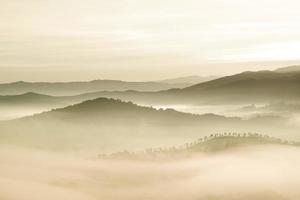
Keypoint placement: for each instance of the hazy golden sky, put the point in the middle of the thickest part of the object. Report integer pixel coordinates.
(144, 39)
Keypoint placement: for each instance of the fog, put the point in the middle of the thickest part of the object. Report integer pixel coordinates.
(54, 155)
(257, 172)
(245, 111)
(108, 135)
(14, 112)
(225, 110)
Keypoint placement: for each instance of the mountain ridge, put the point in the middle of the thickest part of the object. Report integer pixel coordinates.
(106, 123)
(246, 87)
(79, 87)
(243, 88)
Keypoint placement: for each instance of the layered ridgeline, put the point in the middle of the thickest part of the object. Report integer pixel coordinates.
(24, 98)
(108, 124)
(214, 143)
(31, 99)
(262, 86)
(75, 88)
(246, 87)
(15, 106)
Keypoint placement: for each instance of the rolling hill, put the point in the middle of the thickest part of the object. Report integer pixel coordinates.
(214, 143)
(103, 111)
(109, 124)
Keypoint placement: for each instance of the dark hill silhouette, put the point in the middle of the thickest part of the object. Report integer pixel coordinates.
(221, 142)
(107, 123)
(214, 143)
(113, 110)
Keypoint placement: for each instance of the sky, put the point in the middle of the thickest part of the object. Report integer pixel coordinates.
(63, 40)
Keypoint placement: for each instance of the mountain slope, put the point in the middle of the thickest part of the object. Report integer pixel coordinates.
(103, 110)
(106, 124)
(247, 87)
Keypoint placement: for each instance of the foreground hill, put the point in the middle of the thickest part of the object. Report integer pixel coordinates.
(257, 172)
(108, 124)
(214, 143)
(74, 88)
(221, 142)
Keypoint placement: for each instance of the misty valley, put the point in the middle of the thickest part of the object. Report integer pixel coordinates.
(231, 138)
(149, 100)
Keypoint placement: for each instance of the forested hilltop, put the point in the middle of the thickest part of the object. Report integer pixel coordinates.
(213, 143)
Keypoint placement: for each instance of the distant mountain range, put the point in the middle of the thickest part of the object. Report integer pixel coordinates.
(243, 88)
(75, 88)
(261, 86)
(107, 123)
(30, 99)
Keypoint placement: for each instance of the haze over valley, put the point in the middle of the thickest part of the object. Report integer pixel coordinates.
(196, 138)
(149, 100)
